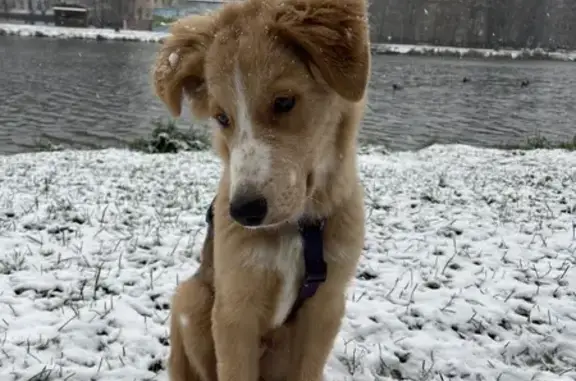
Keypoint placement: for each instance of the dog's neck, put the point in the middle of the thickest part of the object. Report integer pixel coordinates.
(339, 177)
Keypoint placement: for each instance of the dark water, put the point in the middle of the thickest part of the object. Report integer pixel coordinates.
(88, 93)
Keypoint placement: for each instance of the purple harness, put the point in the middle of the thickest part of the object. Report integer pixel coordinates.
(315, 269)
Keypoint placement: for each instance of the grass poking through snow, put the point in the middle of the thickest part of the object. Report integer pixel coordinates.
(166, 137)
(539, 141)
(467, 272)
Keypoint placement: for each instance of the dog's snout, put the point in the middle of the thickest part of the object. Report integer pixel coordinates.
(249, 209)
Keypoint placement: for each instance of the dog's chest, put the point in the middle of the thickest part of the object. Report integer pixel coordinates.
(285, 258)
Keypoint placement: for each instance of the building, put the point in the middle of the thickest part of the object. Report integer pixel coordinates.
(131, 14)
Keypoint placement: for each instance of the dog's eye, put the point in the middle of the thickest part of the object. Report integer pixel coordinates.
(284, 104)
(223, 119)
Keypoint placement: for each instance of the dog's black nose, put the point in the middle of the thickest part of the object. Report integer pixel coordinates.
(249, 210)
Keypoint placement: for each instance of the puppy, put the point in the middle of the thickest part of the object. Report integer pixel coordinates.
(283, 84)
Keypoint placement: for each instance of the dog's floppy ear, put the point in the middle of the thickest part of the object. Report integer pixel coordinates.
(179, 67)
(333, 36)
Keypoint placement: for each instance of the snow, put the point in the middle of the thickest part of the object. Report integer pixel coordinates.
(173, 59)
(467, 272)
(149, 36)
(430, 50)
(26, 30)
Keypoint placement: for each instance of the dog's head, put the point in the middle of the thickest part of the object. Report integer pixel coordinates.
(274, 77)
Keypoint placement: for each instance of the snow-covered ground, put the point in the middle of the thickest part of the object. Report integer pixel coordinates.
(52, 31)
(467, 274)
(429, 50)
(146, 36)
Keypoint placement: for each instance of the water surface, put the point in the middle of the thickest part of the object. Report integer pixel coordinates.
(92, 94)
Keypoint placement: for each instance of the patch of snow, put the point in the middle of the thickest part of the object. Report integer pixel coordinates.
(25, 30)
(430, 50)
(467, 272)
(173, 59)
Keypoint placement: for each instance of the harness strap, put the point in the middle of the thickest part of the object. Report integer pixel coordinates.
(315, 269)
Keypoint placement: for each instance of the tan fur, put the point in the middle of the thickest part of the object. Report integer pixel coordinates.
(234, 308)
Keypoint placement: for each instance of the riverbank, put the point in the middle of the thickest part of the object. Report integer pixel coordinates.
(167, 137)
(50, 31)
(467, 273)
(24, 30)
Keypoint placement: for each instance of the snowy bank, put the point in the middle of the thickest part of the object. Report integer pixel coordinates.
(467, 274)
(51, 31)
(147, 36)
(429, 50)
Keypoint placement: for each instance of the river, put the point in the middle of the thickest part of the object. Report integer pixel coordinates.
(93, 94)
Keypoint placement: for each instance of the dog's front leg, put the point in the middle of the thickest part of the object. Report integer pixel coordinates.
(316, 327)
(236, 332)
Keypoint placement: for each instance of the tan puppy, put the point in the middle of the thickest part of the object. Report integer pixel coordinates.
(283, 82)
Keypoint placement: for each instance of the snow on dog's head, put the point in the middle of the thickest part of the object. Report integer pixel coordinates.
(274, 78)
